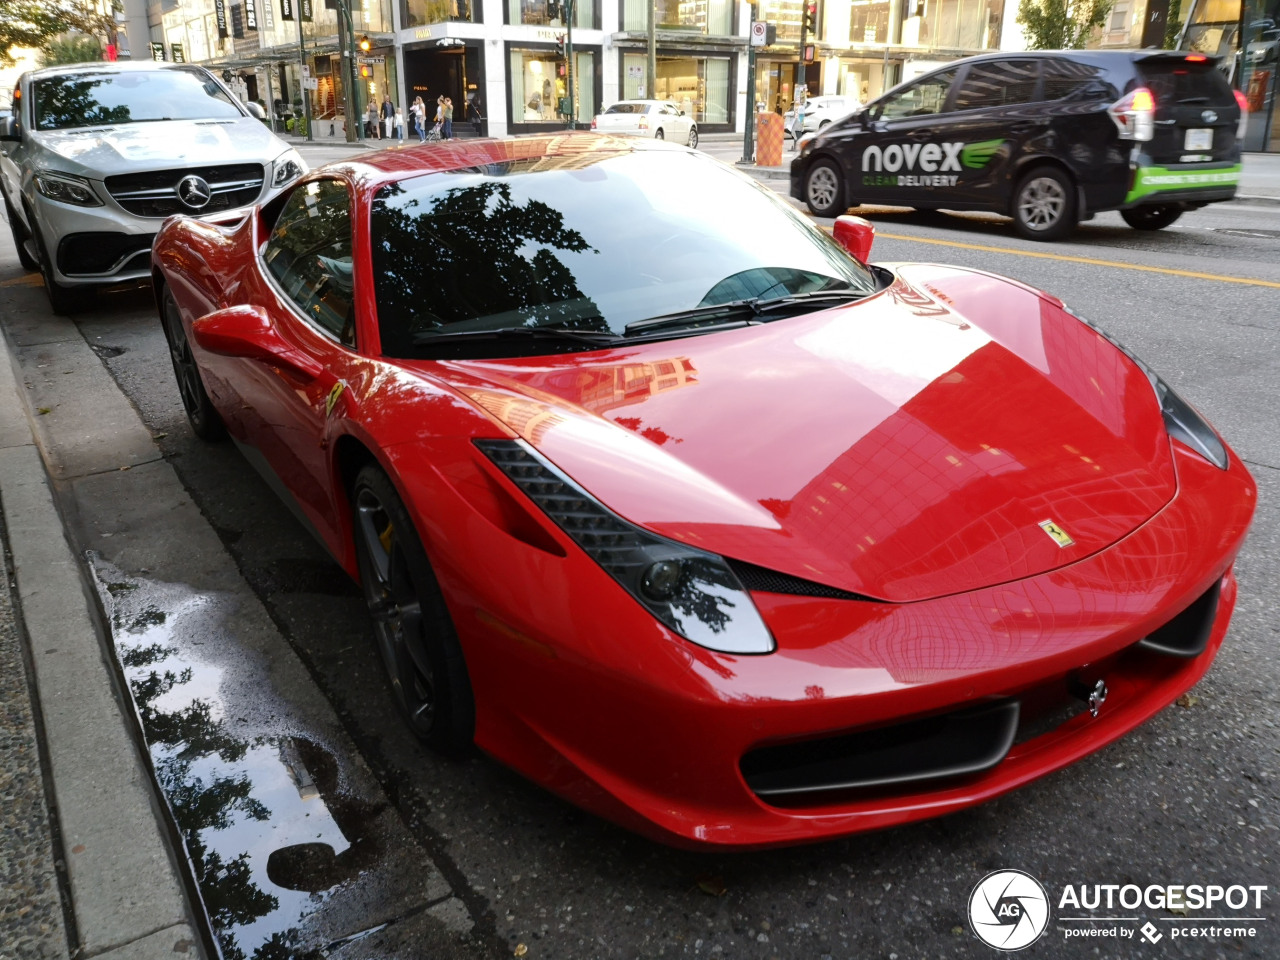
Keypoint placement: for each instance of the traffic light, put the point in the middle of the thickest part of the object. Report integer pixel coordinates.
(366, 71)
(810, 25)
(559, 44)
(365, 44)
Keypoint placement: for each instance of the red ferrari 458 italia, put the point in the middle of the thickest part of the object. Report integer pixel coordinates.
(676, 504)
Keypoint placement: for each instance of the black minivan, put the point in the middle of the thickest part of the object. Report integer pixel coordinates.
(1048, 138)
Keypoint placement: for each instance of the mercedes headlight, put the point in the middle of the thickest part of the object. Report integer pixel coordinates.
(289, 166)
(67, 188)
(694, 593)
(1180, 419)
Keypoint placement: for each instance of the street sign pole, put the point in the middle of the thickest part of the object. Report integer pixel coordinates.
(749, 125)
(302, 71)
(568, 70)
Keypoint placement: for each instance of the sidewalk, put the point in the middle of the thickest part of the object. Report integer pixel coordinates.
(81, 824)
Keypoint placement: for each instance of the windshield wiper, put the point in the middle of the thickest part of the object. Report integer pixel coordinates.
(562, 334)
(753, 309)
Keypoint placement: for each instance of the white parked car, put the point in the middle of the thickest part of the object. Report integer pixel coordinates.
(818, 112)
(659, 119)
(96, 155)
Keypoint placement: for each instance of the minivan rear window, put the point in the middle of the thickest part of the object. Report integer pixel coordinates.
(1185, 81)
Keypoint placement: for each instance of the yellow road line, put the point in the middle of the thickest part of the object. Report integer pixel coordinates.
(1249, 281)
(30, 280)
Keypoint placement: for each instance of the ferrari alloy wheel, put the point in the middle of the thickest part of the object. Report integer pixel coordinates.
(1152, 217)
(693, 138)
(206, 423)
(412, 629)
(823, 190)
(1044, 205)
(20, 238)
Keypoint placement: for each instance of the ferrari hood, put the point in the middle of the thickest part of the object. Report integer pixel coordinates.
(99, 152)
(955, 431)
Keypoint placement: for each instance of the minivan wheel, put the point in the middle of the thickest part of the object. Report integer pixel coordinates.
(1044, 205)
(1154, 216)
(20, 238)
(824, 190)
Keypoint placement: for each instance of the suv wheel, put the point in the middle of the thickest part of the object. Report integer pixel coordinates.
(1044, 205)
(63, 299)
(824, 190)
(20, 238)
(1152, 217)
(693, 138)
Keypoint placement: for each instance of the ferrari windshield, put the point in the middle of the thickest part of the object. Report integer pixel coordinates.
(96, 97)
(592, 242)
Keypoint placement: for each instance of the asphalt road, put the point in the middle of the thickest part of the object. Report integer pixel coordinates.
(1191, 797)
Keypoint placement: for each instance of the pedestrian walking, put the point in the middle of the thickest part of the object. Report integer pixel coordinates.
(448, 119)
(371, 121)
(388, 115)
(419, 113)
(439, 120)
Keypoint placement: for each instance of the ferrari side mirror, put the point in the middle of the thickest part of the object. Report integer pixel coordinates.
(247, 331)
(856, 236)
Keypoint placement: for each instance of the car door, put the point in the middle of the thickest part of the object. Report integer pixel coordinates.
(307, 261)
(898, 158)
(996, 117)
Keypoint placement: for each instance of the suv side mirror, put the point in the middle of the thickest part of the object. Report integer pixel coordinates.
(255, 110)
(11, 130)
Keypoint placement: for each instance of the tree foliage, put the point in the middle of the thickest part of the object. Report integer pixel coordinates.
(35, 23)
(1060, 24)
(70, 48)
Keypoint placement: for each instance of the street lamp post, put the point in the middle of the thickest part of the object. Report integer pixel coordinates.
(347, 44)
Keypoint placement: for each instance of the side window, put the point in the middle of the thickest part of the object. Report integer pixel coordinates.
(920, 99)
(998, 83)
(1074, 82)
(309, 254)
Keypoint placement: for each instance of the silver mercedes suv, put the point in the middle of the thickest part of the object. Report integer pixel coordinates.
(95, 156)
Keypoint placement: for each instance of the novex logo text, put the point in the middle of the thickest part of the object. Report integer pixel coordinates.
(929, 157)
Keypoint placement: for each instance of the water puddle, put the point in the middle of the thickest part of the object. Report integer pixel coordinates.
(280, 844)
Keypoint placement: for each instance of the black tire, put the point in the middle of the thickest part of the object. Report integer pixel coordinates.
(29, 261)
(206, 422)
(1154, 216)
(693, 137)
(412, 630)
(823, 125)
(659, 135)
(63, 299)
(824, 189)
(1044, 204)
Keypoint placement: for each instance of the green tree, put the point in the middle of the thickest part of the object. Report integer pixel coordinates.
(70, 48)
(1173, 24)
(35, 23)
(1060, 24)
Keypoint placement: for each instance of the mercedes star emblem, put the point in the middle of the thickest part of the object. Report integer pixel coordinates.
(194, 192)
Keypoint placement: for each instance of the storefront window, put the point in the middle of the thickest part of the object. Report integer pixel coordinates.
(785, 15)
(423, 12)
(869, 21)
(551, 13)
(698, 86)
(538, 84)
(963, 24)
(708, 17)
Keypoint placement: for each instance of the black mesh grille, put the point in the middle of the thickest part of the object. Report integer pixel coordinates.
(154, 193)
(764, 580)
(81, 254)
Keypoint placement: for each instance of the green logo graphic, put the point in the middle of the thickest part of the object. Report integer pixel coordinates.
(975, 156)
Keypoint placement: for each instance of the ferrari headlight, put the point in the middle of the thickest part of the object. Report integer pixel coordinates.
(66, 188)
(692, 592)
(1180, 419)
(289, 166)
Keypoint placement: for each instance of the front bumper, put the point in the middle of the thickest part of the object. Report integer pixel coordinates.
(582, 691)
(105, 244)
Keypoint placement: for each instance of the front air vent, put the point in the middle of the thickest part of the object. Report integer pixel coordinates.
(935, 748)
(764, 580)
(1187, 634)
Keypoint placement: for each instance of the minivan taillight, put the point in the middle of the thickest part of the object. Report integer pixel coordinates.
(1243, 125)
(1134, 115)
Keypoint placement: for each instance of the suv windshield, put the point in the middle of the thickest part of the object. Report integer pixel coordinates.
(95, 97)
(591, 243)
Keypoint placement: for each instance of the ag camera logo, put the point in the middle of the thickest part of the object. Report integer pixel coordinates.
(1009, 910)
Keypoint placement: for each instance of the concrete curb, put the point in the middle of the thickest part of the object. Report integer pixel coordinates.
(127, 895)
